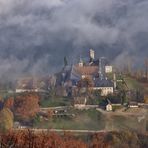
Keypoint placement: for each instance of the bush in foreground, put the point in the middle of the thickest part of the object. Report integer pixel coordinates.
(28, 139)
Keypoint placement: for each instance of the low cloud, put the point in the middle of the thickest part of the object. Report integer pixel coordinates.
(36, 35)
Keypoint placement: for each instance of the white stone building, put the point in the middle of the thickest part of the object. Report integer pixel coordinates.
(108, 69)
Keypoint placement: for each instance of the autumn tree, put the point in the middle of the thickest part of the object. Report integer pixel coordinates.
(6, 119)
(8, 103)
(26, 105)
(29, 139)
(85, 82)
(84, 86)
(146, 98)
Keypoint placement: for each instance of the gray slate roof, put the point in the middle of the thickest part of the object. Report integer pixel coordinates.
(103, 83)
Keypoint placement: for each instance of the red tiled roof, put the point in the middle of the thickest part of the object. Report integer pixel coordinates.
(86, 70)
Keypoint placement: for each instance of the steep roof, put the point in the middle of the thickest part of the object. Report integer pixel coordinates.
(85, 70)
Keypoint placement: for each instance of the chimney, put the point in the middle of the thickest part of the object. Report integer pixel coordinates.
(92, 54)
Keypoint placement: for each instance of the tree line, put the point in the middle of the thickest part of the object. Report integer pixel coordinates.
(22, 107)
(29, 139)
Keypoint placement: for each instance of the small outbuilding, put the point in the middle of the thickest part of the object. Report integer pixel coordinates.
(133, 104)
(109, 107)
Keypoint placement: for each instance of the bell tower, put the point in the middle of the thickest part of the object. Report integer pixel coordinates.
(92, 54)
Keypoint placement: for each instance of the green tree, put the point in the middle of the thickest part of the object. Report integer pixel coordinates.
(65, 61)
(83, 86)
(122, 95)
(97, 94)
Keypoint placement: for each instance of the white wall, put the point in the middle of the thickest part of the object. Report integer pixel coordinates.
(108, 69)
(105, 90)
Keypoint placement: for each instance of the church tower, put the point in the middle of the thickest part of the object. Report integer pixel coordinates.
(92, 54)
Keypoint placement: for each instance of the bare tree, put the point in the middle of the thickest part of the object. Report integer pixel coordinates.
(146, 68)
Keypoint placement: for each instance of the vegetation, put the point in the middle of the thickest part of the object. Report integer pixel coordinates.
(29, 139)
(76, 119)
(26, 105)
(6, 120)
(57, 101)
(65, 61)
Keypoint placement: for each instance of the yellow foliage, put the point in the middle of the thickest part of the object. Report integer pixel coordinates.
(6, 119)
(146, 99)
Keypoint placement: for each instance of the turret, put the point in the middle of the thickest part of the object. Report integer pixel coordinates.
(81, 63)
(92, 54)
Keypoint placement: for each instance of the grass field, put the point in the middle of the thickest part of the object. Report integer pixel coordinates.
(133, 83)
(84, 119)
(129, 122)
(93, 120)
(49, 102)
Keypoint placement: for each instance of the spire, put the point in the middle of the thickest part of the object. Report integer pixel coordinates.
(92, 54)
(81, 62)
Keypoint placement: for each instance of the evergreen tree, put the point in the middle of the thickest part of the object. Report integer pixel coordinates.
(65, 61)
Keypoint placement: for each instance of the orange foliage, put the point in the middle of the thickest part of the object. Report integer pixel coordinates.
(9, 103)
(50, 113)
(86, 82)
(26, 105)
(28, 139)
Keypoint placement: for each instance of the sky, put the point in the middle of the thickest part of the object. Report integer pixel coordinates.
(35, 35)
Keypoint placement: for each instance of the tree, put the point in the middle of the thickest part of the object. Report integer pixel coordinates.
(122, 96)
(146, 98)
(6, 119)
(65, 61)
(97, 93)
(146, 68)
(26, 105)
(9, 103)
(83, 87)
(129, 70)
(29, 139)
(85, 82)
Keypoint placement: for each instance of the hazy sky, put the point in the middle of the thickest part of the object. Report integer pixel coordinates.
(35, 35)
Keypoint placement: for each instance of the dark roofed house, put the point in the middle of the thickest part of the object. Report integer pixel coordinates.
(105, 85)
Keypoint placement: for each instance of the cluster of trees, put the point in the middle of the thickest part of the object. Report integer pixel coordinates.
(138, 73)
(28, 139)
(24, 107)
(123, 139)
(84, 89)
